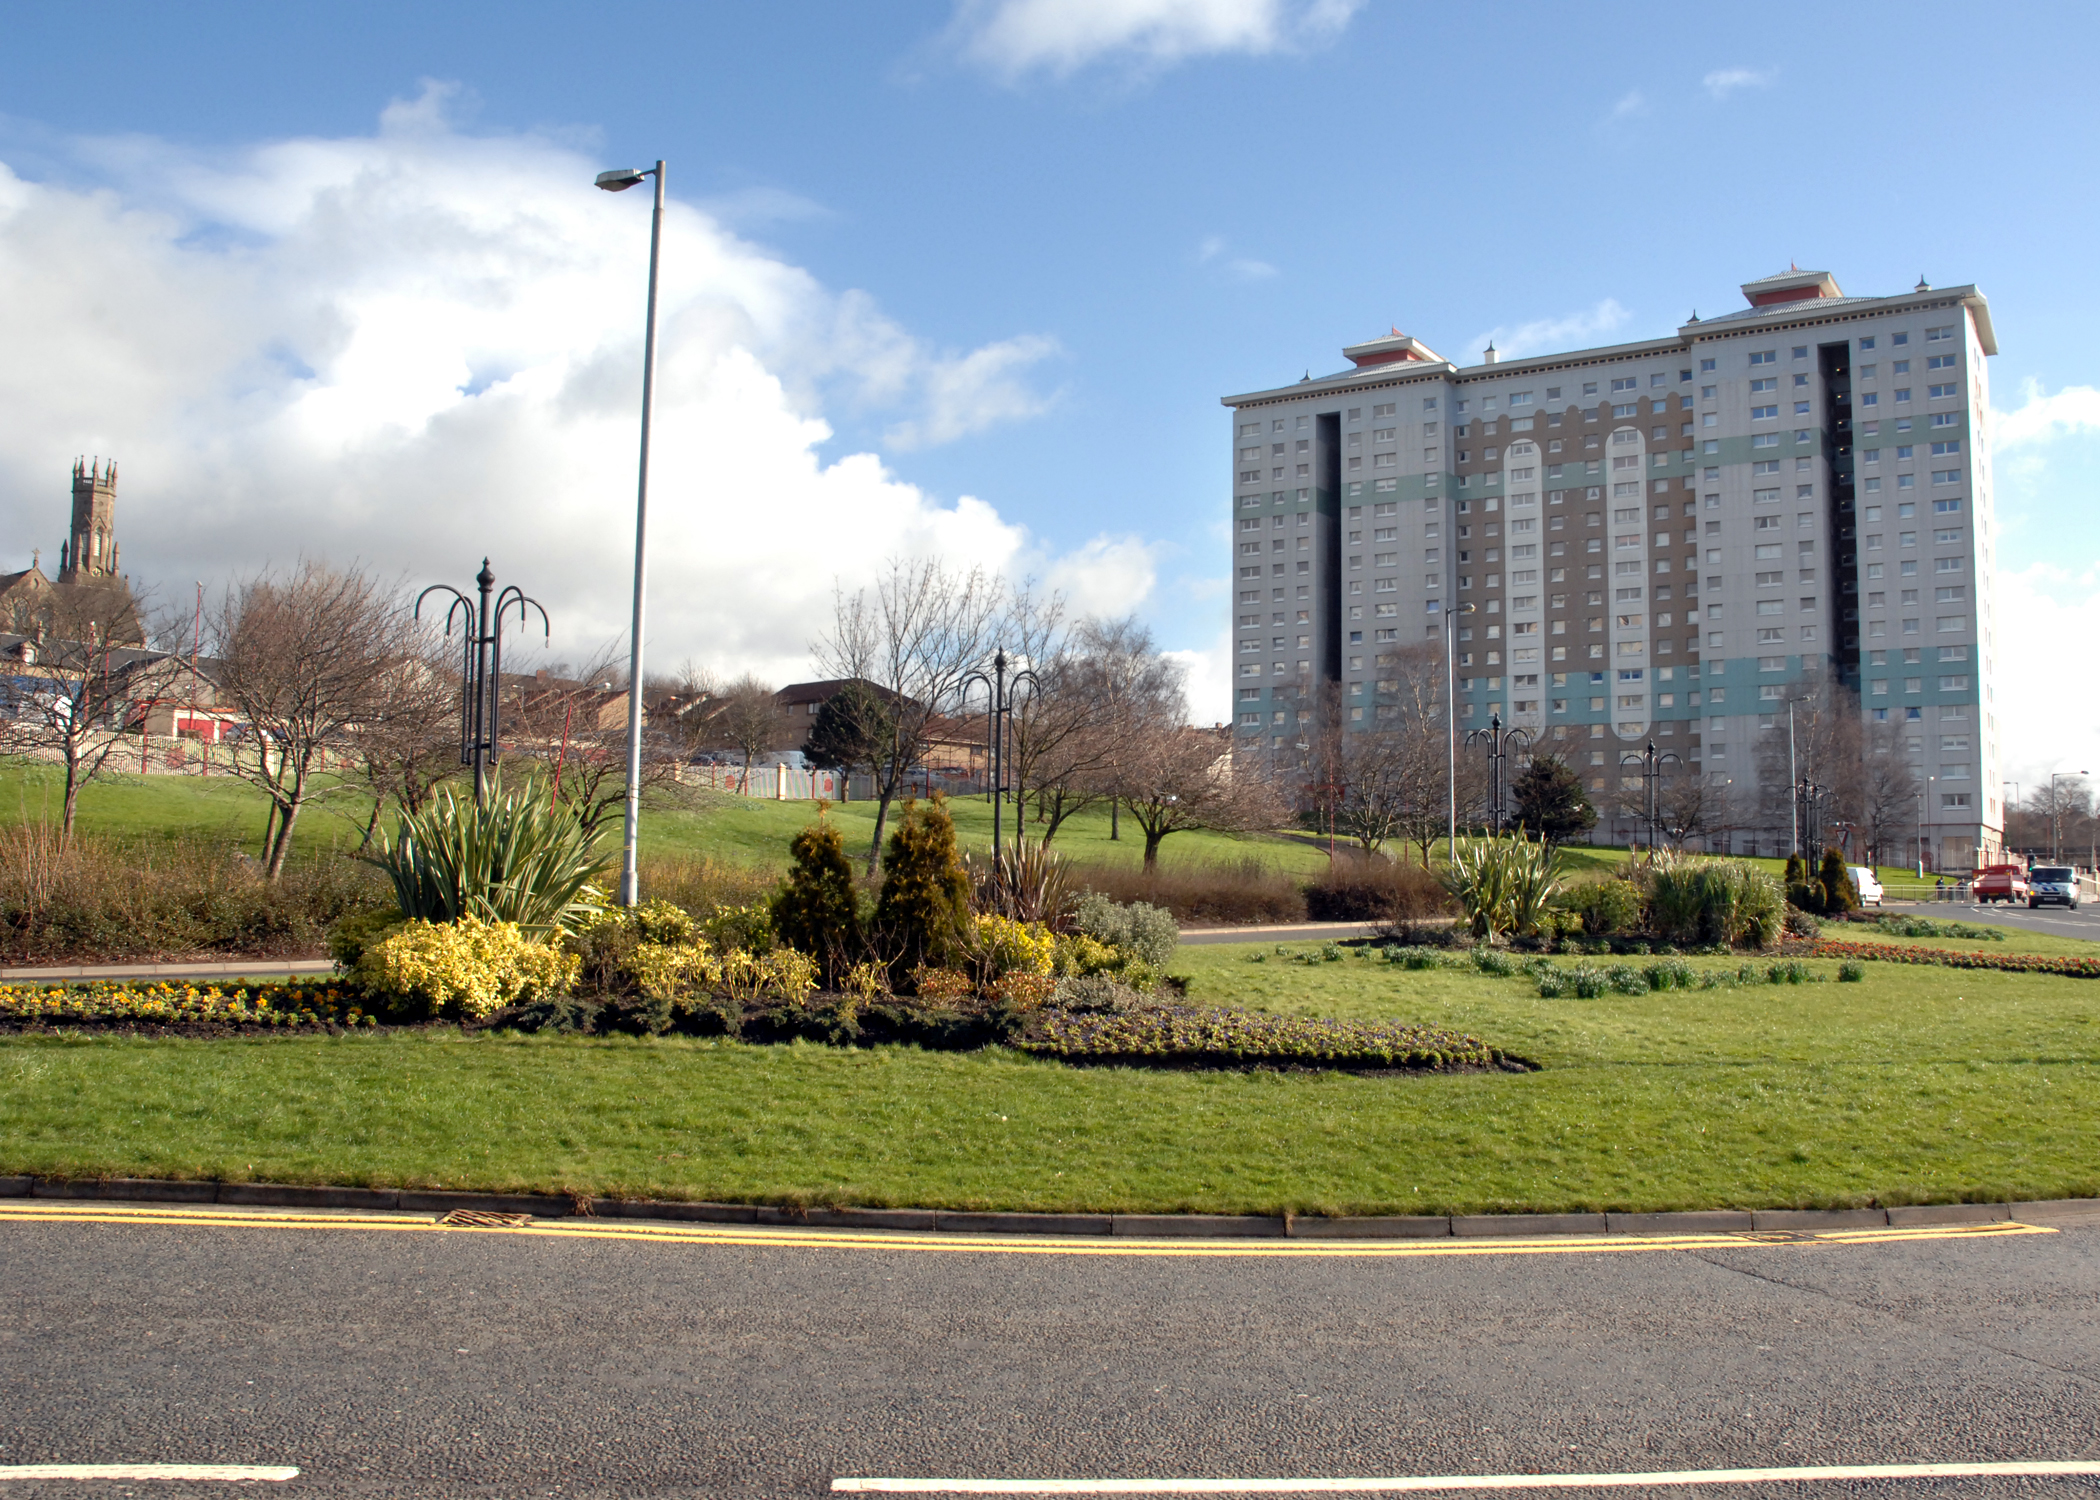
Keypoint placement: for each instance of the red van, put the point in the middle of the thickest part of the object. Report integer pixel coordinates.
(2000, 883)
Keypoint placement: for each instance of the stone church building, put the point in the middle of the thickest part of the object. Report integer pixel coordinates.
(89, 596)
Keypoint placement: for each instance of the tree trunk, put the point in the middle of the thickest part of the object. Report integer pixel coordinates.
(882, 812)
(288, 815)
(1115, 826)
(371, 824)
(1152, 841)
(71, 803)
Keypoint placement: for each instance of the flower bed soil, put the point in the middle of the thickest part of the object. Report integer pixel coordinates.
(1148, 1034)
(1952, 958)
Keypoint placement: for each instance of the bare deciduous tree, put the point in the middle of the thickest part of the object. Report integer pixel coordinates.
(575, 726)
(1175, 779)
(1889, 800)
(304, 659)
(915, 636)
(410, 744)
(68, 697)
(1827, 741)
(747, 718)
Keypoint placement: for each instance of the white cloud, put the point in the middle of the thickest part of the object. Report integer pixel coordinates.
(1722, 82)
(1630, 104)
(970, 392)
(1572, 331)
(1108, 576)
(1013, 38)
(2042, 728)
(2041, 417)
(1209, 672)
(420, 346)
(1215, 253)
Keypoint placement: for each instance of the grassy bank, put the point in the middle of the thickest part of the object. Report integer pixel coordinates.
(689, 823)
(1914, 1086)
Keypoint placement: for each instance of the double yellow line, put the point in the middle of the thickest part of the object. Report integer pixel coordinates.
(25, 1211)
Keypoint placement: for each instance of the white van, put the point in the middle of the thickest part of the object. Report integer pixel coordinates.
(1864, 882)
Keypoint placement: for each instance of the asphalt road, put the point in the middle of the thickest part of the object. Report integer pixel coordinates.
(470, 1364)
(2057, 921)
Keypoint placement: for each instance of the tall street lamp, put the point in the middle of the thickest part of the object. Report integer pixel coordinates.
(1651, 769)
(481, 668)
(2056, 817)
(1000, 690)
(1922, 799)
(619, 181)
(1451, 728)
(1792, 775)
(1501, 744)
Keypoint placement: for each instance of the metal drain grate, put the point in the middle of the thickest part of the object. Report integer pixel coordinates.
(475, 1218)
(1779, 1236)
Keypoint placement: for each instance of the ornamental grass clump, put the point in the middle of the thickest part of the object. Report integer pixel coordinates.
(1670, 974)
(1417, 957)
(466, 969)
(518, 857)
(1698, 901)
(1927, 927)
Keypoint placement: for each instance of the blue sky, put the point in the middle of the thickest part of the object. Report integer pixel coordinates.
(1017, 249)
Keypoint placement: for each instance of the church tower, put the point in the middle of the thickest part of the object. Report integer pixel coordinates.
(91, 551)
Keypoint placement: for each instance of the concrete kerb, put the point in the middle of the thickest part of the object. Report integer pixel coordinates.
(1141, 1226)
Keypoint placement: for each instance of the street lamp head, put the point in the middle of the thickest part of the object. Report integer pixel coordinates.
(620, 179)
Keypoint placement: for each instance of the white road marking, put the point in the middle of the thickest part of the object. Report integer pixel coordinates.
(219, 1472)
(2026, 1469)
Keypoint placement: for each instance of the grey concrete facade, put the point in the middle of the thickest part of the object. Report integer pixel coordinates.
(1661, 541)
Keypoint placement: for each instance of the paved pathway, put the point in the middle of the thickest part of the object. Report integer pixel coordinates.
(501, 1363)
(1286, 932)
(246, 968)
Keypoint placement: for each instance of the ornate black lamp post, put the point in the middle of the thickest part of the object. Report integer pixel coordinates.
(1000, 688)
(1651, 766)
(1809, 800)
(1501, 744)
(481, 673)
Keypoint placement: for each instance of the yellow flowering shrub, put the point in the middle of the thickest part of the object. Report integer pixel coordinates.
(1002, 946)
(866, 981)
(655, 950)
(466, 968)
(782, 974)
(663, 971)
(1080, 954)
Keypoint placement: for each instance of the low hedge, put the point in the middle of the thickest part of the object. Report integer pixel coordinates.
(1216, 1036)
(2015, 963)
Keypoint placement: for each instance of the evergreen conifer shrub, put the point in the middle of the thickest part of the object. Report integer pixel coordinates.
(1835, 882)
(924, 907)
(816, 911)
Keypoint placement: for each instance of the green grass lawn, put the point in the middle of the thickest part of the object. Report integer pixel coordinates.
(741, 830)
(1917, 1085)
(2016, 940)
